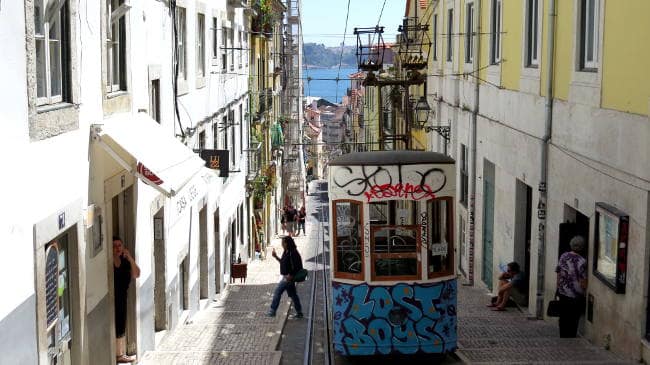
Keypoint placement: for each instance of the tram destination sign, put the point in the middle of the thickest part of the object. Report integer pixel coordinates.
(392, 182)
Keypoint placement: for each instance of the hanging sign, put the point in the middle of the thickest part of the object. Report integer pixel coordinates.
(217, 160)
(51, 284)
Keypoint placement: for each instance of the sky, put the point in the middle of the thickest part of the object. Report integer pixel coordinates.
(323, 21)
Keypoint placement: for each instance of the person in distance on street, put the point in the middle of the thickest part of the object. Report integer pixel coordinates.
(301, 220)
(290, 264)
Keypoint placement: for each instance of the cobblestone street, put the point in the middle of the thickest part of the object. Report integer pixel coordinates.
(232, 330)
(488, 337)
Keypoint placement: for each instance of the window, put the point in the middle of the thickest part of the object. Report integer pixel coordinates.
(233, 141)
(202, 140)
(224, 46)
(200, 45)
(241, 48)
(469, 38)
(450, 32)
(463, 174)
(51, 38)
(348, 244)
(231, 31)
(241, 129)
(612, 228)
(395, 241)
(181, 35)
(435, 37)
(532, 33)
(215, 134)
(215, 45)
(154, 100)
(589, 20)
(116, 45)
(224, 128)
(495, 33)
(440, 248)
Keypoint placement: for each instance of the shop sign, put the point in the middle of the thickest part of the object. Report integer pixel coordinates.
(142, 170)
(217, 160)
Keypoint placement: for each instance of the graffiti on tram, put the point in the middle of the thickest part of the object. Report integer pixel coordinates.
(406, 319)
(393, 182)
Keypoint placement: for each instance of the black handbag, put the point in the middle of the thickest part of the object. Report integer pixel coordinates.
(554, 307)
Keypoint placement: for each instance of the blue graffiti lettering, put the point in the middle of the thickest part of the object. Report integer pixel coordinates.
(381, 331)
(359, 308)
(357, 342)
(402, 291)
(383, 302)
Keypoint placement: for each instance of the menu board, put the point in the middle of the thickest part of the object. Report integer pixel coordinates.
(51, 284)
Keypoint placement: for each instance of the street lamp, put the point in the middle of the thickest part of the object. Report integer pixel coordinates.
(421, 111)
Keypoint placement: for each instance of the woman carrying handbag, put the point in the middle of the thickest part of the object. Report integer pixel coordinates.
(571, 287)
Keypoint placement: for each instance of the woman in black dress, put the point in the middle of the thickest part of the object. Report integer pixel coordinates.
(124, 269)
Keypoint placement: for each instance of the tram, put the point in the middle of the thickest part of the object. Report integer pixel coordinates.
(392, 253)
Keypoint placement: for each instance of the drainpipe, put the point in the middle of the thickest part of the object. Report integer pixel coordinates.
(543, 184)
(472, 186)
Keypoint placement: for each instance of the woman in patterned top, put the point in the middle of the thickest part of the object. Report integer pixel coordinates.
(571, 286)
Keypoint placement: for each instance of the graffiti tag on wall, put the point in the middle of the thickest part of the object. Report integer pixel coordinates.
(375, 183)
(405, 319)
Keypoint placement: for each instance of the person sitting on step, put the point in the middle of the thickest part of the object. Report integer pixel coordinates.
(511, 278)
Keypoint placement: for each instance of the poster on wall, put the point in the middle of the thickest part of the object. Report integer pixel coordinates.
(612, 226)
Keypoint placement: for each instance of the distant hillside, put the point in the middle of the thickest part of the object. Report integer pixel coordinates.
(317, 55)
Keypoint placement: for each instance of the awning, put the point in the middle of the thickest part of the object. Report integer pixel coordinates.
(160, 160)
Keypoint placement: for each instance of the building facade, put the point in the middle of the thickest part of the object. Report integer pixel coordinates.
(548, 109)
(138, 115)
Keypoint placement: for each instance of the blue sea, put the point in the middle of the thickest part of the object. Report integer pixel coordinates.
(327, 89)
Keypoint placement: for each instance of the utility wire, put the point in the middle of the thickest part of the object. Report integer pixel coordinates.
(338, 75)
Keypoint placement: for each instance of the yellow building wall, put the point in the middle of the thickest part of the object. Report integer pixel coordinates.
(626, 80)
(511, 43)
(564, 40)
(485, 39)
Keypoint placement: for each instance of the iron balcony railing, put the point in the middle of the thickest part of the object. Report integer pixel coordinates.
(254, 154)
(265, 100)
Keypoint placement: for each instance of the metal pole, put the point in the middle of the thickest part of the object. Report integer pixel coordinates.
(543, 183)
(471, 211)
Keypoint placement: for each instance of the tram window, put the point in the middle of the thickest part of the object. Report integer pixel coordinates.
(440, 242)
(394, 252)
(348, 245)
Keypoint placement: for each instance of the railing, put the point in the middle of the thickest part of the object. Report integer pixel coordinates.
(254, 154)
(266, 100)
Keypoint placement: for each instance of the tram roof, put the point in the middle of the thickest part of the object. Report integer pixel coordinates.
(401, 157)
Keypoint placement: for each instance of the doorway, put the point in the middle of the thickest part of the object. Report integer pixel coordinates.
(523, 229)
(488, 222)
(160, 277)
(575, 224)
(217, 254)
(58, 304)
(123, 226)
(204, 291)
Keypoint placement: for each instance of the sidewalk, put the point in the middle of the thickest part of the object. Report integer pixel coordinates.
(488, 337)
(235, 328)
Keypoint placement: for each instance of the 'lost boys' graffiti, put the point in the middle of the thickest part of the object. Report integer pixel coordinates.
(406, 319)
(377, 183)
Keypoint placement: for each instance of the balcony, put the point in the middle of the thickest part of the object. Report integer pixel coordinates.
(254, 154)
(265, 101)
